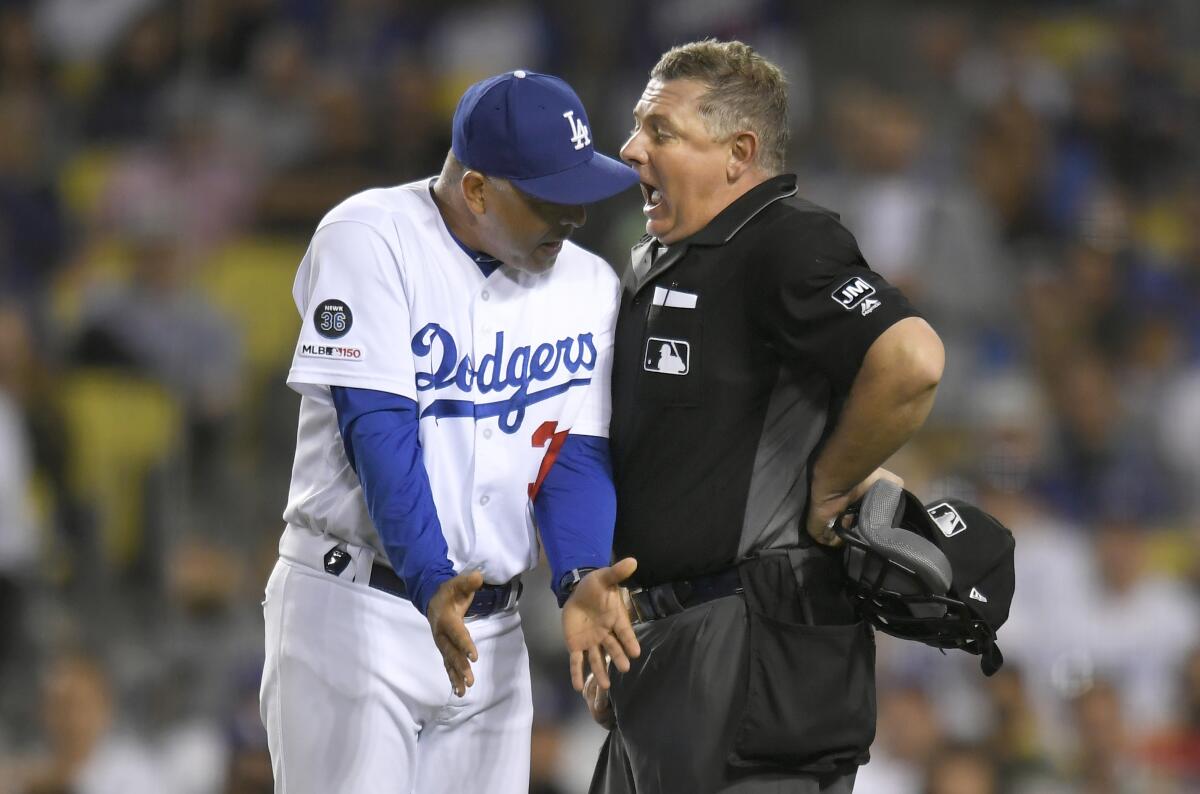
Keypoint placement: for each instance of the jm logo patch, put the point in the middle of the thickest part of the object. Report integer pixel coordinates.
(854, 292)
(667, 356)
(947, 519)
(579, 131)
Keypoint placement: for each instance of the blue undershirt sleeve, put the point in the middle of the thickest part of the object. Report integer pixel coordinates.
(380, 434)
(576, 507)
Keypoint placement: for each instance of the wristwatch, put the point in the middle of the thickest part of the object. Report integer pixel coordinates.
(569, 581)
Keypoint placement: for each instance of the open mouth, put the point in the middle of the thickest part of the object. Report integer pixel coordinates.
(652, 196)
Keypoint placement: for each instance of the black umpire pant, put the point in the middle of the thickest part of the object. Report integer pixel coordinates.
(768, 692)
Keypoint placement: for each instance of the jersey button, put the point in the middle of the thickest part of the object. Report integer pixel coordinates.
(486, 295)
(483, 500)
(487, 432)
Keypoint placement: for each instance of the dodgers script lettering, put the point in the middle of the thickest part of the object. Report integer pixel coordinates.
(499, 371)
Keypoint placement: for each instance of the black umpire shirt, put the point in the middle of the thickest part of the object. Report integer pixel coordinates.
(733, 352)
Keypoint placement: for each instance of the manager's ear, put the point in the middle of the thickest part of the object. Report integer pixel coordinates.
(743, 155)
(472, 185)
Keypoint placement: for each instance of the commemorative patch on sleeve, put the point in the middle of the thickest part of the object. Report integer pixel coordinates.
(333, 319)
(332, 352)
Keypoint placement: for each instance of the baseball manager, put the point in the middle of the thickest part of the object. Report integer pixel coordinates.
(454, 370)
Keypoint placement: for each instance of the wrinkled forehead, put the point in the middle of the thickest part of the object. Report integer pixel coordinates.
(670, 98)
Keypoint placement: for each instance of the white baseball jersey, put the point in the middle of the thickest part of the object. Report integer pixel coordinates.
(497, 365)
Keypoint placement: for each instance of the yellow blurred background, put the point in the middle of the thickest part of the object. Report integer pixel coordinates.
(1026, 171)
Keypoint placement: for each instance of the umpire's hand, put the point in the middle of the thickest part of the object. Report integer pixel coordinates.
(599, 706)
(445, 615)
(596, 622)
(828, 503)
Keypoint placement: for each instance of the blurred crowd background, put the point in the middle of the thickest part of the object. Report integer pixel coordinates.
(1027, 171)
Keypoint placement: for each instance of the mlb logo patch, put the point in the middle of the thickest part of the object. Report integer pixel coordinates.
(667, 356)
(947, 519)
(853, 292)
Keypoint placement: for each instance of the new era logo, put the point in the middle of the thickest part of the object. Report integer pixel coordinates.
(947, 519)
(853, 292)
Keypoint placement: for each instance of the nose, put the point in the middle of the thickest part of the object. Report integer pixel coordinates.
(574, 216)
(633, 152)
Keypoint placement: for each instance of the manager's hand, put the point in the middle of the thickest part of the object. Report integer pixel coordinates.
(596, 622)
(445, 615)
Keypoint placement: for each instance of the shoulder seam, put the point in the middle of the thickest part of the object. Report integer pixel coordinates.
(397, 253)
(807, 230)
(374, 228)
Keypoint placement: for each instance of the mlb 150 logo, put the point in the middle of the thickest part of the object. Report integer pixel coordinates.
(330, 351)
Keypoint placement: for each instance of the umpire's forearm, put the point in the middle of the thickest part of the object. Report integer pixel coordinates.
(889, 400)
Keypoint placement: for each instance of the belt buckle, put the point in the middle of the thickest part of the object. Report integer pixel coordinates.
(514, 594)
(633, 608)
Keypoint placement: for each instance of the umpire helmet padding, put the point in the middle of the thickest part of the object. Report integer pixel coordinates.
(878, 525)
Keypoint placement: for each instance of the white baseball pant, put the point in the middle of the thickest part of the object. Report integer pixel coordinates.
(355, 697)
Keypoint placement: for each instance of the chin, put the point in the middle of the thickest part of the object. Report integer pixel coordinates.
(666, 236)
(536, 266)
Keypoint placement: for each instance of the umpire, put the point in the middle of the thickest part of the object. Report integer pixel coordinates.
(762, 374)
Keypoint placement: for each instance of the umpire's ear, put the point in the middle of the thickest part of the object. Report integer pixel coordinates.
(743, 154)
(472, 189)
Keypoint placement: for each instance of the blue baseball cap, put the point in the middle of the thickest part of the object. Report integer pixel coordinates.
(532, 130)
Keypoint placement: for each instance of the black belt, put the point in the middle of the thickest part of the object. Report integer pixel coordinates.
(670, 598)
(488, 600)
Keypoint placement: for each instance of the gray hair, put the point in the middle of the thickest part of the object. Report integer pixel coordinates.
(745, 92)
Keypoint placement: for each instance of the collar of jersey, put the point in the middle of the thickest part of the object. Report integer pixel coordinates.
(486, 263)
(720, 230)
(730, 220)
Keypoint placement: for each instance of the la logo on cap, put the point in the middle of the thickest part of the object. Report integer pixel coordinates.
(579, 130)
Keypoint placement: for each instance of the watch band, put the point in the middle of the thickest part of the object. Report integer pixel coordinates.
(569, 581)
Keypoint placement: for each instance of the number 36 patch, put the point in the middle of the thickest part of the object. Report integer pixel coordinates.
(333, 319)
